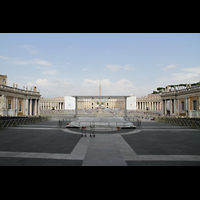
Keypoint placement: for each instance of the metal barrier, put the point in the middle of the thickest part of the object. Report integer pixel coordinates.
(179, 121)
(101, 125)
(136, 122)
(64, 122)
(16, 121)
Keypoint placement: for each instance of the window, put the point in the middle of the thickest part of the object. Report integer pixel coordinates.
(9, 104)
(20, 106)
(182, 106)
(195, 105)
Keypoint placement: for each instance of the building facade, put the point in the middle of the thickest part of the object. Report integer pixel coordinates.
(56, 103)
(18, 102)
(181, 101)
(62, 103)
(152, 101)
(149, 102)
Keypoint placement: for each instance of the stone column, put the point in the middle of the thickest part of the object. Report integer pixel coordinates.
(35, 108)
(38, 107)
(76, 104)
(186, 104)
(30, 107)
(189, 107)
(171, 106)
(178, 107)
(4, 108)
(163, 107)
(26, 107)
(16, 105)
(125, 108)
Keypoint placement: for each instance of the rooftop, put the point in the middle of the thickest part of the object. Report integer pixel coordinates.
(101, 97)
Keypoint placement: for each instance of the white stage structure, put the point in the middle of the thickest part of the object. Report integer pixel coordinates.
(69, 102)
(131, 102)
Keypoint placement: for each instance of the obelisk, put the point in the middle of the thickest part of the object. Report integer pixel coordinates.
(100, 97)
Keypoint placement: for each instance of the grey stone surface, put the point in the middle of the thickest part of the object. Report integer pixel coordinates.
(155, 144)
(163, 163)
(103, 151)
(21, 139)
(7, 161)
(168, 142)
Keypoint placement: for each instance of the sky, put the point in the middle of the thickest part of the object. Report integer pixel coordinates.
(65, 64)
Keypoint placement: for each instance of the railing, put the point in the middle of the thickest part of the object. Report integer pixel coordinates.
(181, 89)
(132, 123)
(64, 122)
(16, 121)
(191, 123)
(9, 88)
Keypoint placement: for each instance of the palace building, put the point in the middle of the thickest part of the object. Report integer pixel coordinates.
(68, 102)
(176, 100)
(18, 102)
(151, 102)
(181, 100)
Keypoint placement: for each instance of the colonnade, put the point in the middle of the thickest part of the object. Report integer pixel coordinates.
(33, 106)
(52, 105)
(18, 106)
(152, 105)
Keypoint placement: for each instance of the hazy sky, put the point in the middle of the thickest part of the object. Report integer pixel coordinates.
(62, 64)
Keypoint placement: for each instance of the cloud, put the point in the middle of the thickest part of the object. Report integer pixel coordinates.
(159, 65)
(51, 71)
(41, 62)
(55, 87)
(31, 62)
(18, 61)
(122, 87)
(169, 67)
(114, 68)
(85, 69)
(177, 78)
(39, 67)
(30, 49)
(5, 58)
(127, 67)
(23, 77)
(195, 70)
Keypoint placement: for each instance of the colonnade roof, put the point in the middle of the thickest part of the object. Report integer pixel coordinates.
(101, 97)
